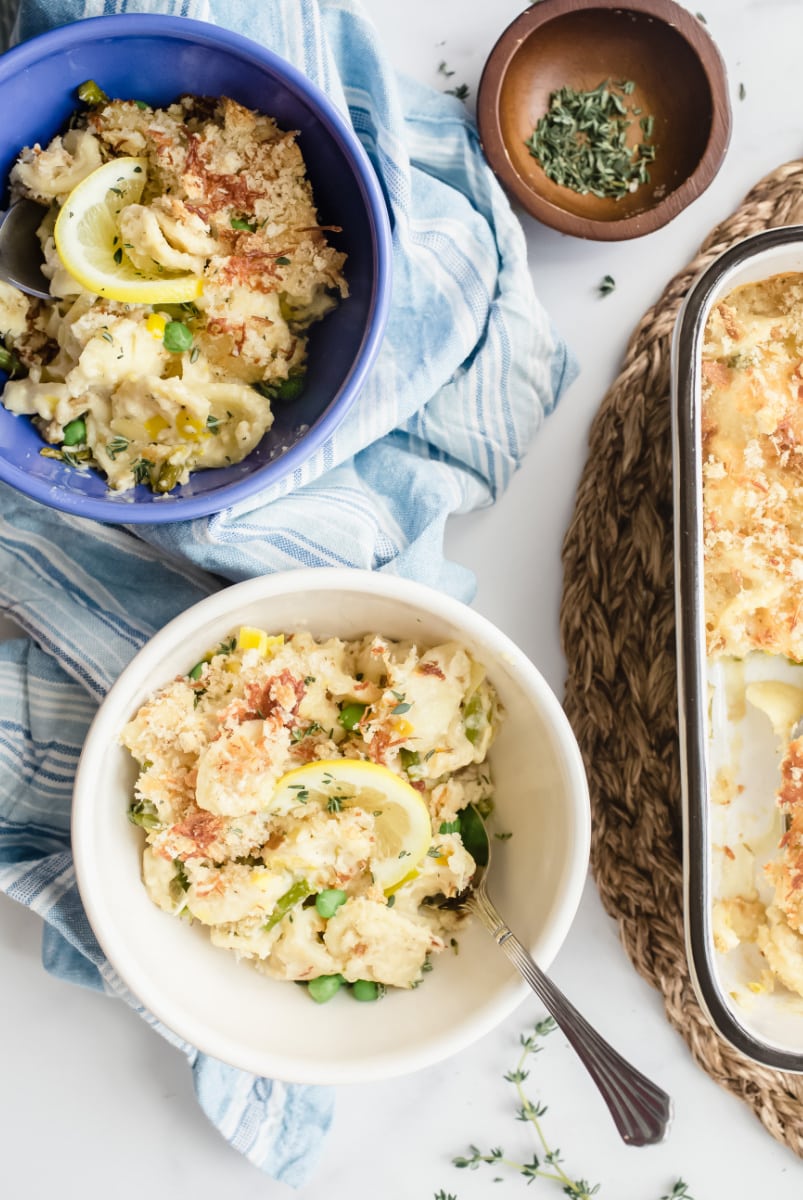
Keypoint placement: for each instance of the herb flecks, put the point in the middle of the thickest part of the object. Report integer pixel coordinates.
(116, 445)
(680, 1191)
(606, 285)
(582, 141)
(461, 92)
(141, 470)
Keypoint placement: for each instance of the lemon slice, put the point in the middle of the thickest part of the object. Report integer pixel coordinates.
(87, 236)
(402, 825)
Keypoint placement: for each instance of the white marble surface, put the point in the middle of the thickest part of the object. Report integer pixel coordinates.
(95, 1104)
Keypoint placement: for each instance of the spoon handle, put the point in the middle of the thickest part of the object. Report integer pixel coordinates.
(641, 1111)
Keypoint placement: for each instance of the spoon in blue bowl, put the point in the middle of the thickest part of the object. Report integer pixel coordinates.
(21, 250)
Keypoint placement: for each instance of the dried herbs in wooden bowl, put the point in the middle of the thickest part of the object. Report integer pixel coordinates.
(604, 120)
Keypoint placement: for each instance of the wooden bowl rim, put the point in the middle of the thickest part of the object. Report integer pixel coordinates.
(693, 32)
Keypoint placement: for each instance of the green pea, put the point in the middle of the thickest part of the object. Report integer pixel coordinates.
(351, 714)
(74, 432)
(324, 987)
(329, 900)
(177, 337)
(366, 990)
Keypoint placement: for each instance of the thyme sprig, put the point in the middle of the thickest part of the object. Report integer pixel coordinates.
(581, 141)
(461, 90)
(545, 1163)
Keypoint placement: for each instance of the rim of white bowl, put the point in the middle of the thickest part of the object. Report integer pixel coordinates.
(106, 726)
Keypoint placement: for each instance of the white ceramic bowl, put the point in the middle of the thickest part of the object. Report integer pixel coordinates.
(268, 1027)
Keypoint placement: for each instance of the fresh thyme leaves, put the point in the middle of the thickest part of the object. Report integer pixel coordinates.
(141, 470)
(742, 91)
(680, 1191)
(606, 285)
(581, 141)
(545, 1163)
(116, 445)
(461, 91)
(442, 1195)
(73, 456)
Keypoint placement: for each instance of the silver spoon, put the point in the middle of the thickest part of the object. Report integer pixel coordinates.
(21, 250)
(641, 1111)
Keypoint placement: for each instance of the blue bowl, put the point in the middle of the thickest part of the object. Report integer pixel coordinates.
(156, 59)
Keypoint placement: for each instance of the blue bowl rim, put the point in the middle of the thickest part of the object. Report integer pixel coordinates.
(203, 32)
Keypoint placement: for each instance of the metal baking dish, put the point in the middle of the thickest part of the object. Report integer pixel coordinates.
(766, 1026)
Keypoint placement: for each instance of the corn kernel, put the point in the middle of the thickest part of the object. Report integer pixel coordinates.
(401, 727)
(250, 638)
(156, 324)
(756, 987)
(259, 877)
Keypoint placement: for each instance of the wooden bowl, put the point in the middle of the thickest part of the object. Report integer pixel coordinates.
(680, 80)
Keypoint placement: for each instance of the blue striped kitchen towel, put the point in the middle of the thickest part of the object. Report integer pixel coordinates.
(433, 435)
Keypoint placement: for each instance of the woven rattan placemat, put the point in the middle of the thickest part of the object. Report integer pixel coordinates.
(618, 629)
